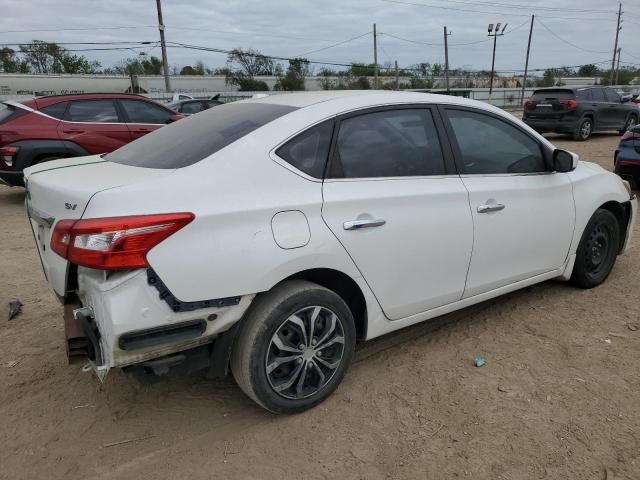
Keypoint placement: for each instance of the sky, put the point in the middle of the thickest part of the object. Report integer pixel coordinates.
(566, 32)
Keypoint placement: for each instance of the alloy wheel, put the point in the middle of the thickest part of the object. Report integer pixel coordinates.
(305, 352)
(585, 129)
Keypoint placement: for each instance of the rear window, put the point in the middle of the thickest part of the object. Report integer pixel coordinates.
(553, 94)
(192, 139)
(9, 112)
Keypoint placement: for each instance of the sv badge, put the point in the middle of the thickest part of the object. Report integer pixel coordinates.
(68, 206)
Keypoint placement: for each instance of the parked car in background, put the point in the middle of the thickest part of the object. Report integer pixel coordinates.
(62, 126)
(627, 156)
(189, 107)
(271, 234)
(579, 111)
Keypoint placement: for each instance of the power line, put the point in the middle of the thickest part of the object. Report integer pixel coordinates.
(336, 44)
(466, 10)
(566, 41)
(78, 29)
(516, 6)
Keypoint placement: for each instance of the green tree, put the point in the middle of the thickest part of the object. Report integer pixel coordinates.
(9, 62)
(188, 70)
(244, 65)
(134, 66)
(589, 70)
(293, 79)
(45, 57)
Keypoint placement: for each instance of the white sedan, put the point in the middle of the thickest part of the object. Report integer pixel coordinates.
(270, 235)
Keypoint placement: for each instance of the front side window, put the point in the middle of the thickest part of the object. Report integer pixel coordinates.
(139, 111)
(389, 143)
(308, 151)
(612, 96)
(93, 111)
(488, 145)
(192, 107)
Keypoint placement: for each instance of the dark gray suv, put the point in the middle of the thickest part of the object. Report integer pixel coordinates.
(579, 111)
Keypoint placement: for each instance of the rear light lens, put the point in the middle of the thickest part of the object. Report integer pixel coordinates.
(630, 135)
(7, 155)
(571, 104)
(114, 243)
(529, 103)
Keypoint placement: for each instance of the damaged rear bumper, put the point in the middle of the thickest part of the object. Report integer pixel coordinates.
(122, 321)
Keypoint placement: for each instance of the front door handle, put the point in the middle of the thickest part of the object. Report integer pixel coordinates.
(358, 224)
(492, 207)
(73, 131)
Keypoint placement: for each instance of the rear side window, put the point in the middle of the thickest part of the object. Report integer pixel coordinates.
(390, 143)
(9, 112)
(93, 111)
(553, 94)
(583, 94)
(192, 107)
(139, 111)
(56, 111)
(309, 150)
(192, 139)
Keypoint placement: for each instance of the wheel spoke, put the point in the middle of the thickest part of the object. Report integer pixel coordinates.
(333, 341)
(292, 378)
(283, 346)
(312, 322)
(280, 361)
(301, 379)
(297, 321)
(328, 330)
(330, 365)
(318, 371)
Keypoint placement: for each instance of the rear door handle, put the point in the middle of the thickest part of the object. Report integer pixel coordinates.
(492, 207)
(358, 224)
(73, 131)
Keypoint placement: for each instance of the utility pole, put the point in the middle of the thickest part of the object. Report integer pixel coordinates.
(165, 63)
(397, 77)
(495, 34)
(618, 65)
(375, 57)
(446, 58)
(526, 63)
(615, 48)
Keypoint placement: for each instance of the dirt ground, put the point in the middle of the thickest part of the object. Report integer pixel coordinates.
(559, 396)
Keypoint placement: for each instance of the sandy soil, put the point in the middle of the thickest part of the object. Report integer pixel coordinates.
(558, 398)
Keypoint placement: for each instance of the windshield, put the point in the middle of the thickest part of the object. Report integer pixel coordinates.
(188, 141)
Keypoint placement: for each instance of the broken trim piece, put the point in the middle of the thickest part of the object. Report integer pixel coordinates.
(179, 306)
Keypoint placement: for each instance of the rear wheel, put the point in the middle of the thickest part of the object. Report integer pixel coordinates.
(597, 251)
(629, 124)
(294, 347)
(583, 132)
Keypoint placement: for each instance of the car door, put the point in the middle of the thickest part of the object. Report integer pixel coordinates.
(191, 107)
(599, 104)
(393, 200)
(523, 212)
(144, 117)
(95, 125)
(616, 111)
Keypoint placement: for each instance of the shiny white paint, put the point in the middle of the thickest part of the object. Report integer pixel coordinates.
(243, 240)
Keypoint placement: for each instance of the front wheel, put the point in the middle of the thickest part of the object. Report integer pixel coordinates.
(294, 347)
(597, 250)
(583, 132)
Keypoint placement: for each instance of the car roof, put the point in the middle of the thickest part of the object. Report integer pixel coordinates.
(41, 102)
(344, 100)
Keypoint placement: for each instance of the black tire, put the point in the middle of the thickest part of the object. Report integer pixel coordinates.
(584, 130)
(255, 351)
(597, 251)
(631, 122)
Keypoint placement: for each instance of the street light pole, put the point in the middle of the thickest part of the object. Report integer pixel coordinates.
(495, 33)
(165, 63)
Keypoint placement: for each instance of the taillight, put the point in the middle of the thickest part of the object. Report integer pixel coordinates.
(529, 103)
(630, 135)
(114, 243)
(7, 155)
(571, 104)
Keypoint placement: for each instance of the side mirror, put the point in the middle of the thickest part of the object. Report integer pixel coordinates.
(175, 118)
(564, 161)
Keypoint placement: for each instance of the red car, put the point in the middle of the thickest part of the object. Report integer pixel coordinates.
(61, 126)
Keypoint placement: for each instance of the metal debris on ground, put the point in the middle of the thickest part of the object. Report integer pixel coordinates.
(480, 361)
(633, 327)
(14, 308)
(12, 363)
